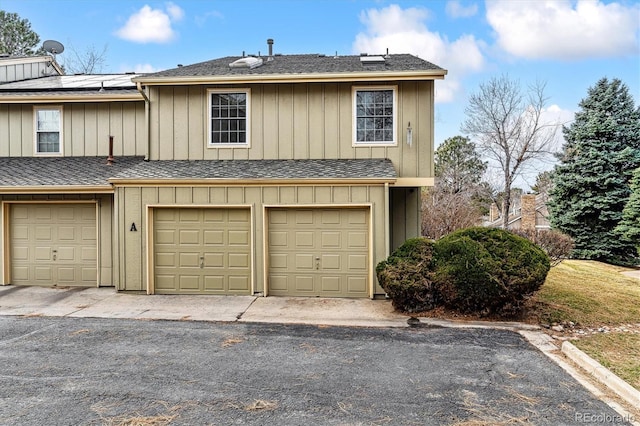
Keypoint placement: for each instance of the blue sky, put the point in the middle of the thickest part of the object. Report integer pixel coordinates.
(569, 44)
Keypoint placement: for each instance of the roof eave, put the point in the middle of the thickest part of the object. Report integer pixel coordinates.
(61, 97)
(58, 189)
(438, 74)
(247, 182)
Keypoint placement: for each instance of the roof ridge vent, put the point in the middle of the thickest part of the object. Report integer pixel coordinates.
(246, 62)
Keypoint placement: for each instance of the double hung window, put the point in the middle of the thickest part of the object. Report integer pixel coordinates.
(48, 130)
(374, 112)
(228, 117)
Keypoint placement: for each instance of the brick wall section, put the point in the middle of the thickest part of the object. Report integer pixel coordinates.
(528, 211)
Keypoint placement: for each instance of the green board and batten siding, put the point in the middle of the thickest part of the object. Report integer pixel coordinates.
(292, 121)
(86, 129)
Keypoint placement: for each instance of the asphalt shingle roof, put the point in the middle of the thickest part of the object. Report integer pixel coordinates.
(61, 171)
(299, 64)
(262, 169)
(16, 172)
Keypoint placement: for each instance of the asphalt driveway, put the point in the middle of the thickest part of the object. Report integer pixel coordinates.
(67, 371)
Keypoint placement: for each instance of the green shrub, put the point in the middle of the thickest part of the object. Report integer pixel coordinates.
(487, 270)
(406, 276)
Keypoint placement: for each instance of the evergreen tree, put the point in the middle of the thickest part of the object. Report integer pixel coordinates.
(16, 36)
(458, 165)
(629, 227)
(591, 183)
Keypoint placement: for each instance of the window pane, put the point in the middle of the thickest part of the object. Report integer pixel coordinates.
(48, 120)
(374, 116)
(48, 142)
(228, 117)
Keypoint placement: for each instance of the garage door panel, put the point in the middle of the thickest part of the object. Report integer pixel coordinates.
(238, 260)
(304, 283)
(278, 261)
(43, 233)
(212, 247)
(330, 262)
(20, 273)
(41, 253)
(168, 260)
(88, 254)
(89, 234)
(214, 238)
(278, 239)
(239, 283)
(67, 254)
(42, 274)
(303, 261)
(356, 284)
(165, 236)
(214, 260)
(67, 275)
(189, 237)
(189, 260)
(330, 284)
(165, 282)
(328, 248)
(331, 240)
(214, 283)
(43, 213)
(357, 262)
(189, 282)
(357, 240)
(238, 238)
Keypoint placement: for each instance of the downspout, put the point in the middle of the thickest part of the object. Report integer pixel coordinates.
(387, 226)
(147, 109)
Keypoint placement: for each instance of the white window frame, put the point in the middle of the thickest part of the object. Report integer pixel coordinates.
(354, 93)
(36, 109)
(246, 144)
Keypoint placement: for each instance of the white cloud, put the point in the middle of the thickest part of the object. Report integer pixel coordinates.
(151, 25)
(175, 11)
(138, 68)
(404, 31)
(564, 29)
(455, 10)
(202, 19)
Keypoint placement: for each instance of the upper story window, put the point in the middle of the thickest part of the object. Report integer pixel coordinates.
(374, 115)
(48, 130)
(229, 117)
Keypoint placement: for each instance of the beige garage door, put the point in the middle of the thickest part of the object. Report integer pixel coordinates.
(318, 252)
(53, 244)
(202, 251)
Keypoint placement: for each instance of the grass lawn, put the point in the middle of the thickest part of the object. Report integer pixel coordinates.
(595, 295)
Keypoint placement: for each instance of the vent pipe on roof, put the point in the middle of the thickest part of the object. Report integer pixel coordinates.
(270, 44)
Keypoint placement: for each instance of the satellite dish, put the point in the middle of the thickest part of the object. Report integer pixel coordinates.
(53, 47)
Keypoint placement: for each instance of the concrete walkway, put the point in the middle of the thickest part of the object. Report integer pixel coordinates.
(108, 303)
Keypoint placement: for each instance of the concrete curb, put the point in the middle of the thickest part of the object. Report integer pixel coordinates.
(603, 375)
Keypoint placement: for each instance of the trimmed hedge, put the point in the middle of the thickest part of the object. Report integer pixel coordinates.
(480, 270)
(488, 270)
(406, 276)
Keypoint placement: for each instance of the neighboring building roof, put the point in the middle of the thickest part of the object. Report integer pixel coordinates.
(72, 88)
(297, 67)
(74, 82)
(18, 173)
(260, 170)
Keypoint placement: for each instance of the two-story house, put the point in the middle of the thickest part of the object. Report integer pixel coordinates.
(275, 175)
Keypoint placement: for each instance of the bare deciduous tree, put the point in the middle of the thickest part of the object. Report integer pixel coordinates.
(507, 126)
(88, 61)
(445, 212)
